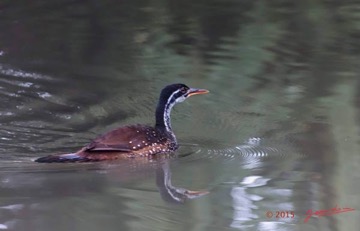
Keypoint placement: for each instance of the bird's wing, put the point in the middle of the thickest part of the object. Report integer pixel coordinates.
(123, 139)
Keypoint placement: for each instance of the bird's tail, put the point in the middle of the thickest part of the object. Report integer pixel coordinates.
(64, 158)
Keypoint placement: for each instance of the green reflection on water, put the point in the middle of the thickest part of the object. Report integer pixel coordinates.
(280, 70)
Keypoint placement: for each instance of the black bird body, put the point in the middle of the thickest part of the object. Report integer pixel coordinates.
(134, 140)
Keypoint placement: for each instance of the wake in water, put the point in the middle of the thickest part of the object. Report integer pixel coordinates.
(253, 147)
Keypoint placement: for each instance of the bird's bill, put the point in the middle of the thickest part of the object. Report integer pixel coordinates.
(196, 91)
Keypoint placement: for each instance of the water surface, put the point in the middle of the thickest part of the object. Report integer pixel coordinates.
(279, 131)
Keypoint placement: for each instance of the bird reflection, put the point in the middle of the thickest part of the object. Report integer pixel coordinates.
(172, 193)
(32, 190)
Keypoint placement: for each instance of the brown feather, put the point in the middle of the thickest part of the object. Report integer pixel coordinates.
(127, 139)
(123, 142)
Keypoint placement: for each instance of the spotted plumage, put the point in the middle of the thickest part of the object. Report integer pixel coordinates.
(134, 140)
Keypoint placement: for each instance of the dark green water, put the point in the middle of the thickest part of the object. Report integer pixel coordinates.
(279, 130)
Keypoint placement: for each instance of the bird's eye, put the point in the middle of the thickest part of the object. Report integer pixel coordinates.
(183, 90)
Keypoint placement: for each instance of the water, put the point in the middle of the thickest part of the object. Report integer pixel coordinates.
(279, 131)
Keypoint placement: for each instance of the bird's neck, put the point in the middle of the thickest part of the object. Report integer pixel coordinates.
(162, 115)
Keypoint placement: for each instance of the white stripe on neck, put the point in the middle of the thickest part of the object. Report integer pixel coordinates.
(167, 110)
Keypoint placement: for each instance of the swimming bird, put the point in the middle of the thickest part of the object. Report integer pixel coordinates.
(134, 140)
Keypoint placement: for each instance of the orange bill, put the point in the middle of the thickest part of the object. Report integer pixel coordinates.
(195, 91)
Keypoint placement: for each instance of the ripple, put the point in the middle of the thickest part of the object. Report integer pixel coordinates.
(16, 72)
(252, 148)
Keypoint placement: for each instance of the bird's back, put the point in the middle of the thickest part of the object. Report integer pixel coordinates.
(123, 142)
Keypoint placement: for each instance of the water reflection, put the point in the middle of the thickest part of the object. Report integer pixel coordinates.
(38, 187)
(284, 71)
(243, 206)
(169, 192)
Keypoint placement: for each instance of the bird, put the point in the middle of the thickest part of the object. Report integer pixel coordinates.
(132, 141)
